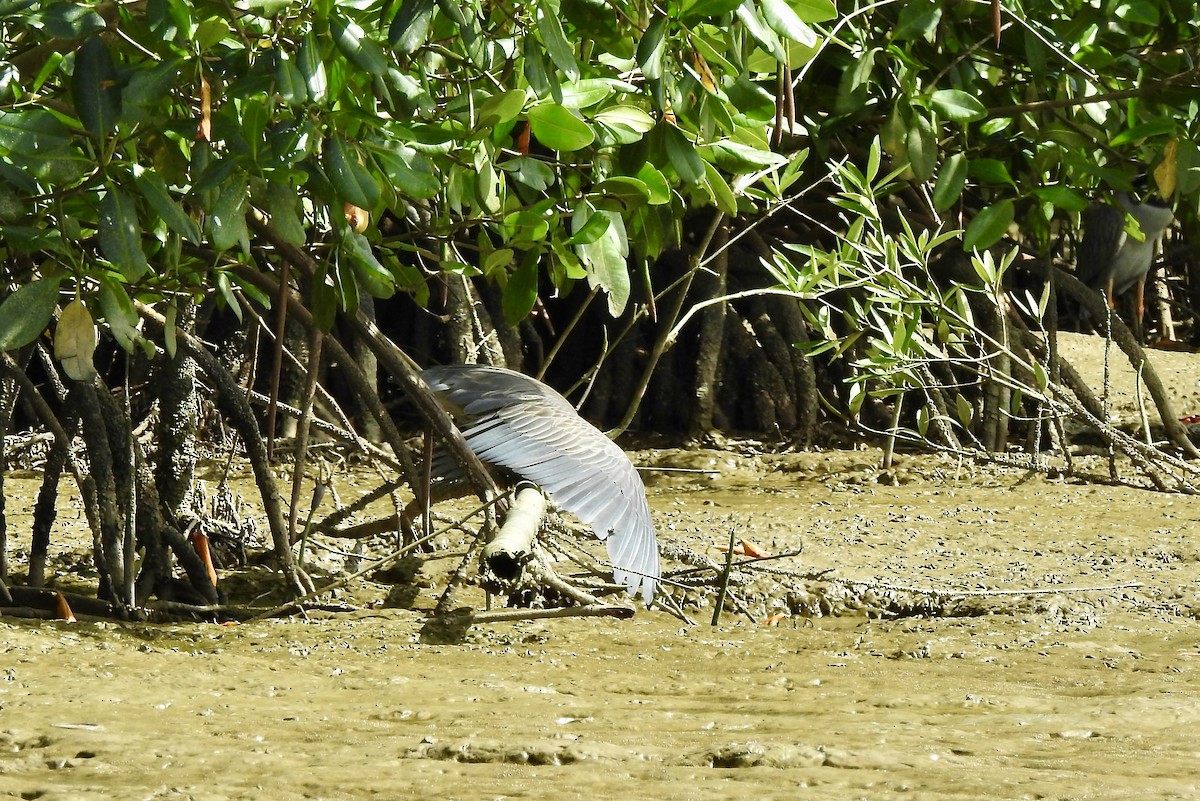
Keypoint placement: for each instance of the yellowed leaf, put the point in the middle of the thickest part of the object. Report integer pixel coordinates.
(1164, 173)
(75, 341)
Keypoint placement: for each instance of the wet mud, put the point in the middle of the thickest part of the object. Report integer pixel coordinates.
(1069, 669)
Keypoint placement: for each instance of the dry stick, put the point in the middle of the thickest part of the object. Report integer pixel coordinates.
(1125, 340)
(396, 362)
(345, 431)
(723, 590)
(277, 357)
(243, 419)
(562, 337)
(350, 370)
(301, 454)
(378, 564)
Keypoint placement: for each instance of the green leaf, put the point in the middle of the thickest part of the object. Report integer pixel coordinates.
(591, 230)
(990, 171)
(605, 259)
(922, 144)
(759, 29)
(68, 20)
(656, 183)
(988, 226)
(408, 170)
(1062, 197)
(352, 40)
(815, 10)
(323, 301)
(119, 313)
(26, 313)
(918, 20)
(158, 197)
(719, 190)
(629, 118)
(283, 207)
(682, 154)
(500, 109)
(410, 26)
(702, 9)
(589, 92)
(652, 48)
(349, 177)
(97, 97)
(560, 51)
(521, 290)
(289, 81)
(1164, 126)
(121, 234)
(558, 129)
(537, 71)
(35, 134)
(372, 276)
(951, 180)
(227, 222)
(312, 68)
(629, 191)
(146, 88)
(531, 172)
(780, 16)
(957, 106)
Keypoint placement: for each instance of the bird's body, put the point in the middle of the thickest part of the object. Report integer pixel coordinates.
(1112, 261)
(518, 423)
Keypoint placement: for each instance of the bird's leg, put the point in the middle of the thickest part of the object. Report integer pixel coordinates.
(1139, 308)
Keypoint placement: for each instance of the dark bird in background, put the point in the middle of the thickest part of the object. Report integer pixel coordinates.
(1112, 261)
(512, 421)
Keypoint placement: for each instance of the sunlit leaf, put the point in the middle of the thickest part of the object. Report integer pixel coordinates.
(410, 27)
(352, 40)
(950, 182)
(988, 226)
(559, 50)
(606, 258)
(652, 48)
(312, 68)
(780, 16)
(957, 106)
(558, 129)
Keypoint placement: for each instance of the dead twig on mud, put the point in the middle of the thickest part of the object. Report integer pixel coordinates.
(379, 564)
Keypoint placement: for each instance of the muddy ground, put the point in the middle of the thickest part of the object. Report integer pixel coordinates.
(1059, 657)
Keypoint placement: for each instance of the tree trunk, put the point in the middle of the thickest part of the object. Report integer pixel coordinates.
(179, 415)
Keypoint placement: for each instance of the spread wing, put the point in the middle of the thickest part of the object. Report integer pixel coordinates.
(513, 421)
